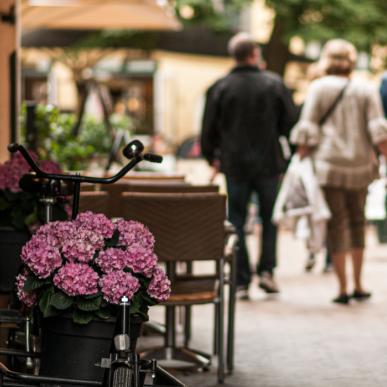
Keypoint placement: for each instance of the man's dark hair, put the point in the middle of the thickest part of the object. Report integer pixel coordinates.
(241, 46)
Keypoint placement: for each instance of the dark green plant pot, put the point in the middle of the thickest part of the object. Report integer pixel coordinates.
(71, 350)
(11, 243)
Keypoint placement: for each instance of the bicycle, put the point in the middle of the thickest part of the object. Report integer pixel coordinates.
(125, 369)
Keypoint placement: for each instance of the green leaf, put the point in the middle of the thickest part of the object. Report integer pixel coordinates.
(33, 283)
(45, 303)
(4, 204)
(81, 317)
(89, 305)
(112, 242)
(61, 301)
(104, 313)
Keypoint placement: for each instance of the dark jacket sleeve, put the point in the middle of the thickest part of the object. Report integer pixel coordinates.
(209, 139)
(288, 111)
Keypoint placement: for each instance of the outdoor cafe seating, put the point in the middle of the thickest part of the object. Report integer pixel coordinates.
(188, 223)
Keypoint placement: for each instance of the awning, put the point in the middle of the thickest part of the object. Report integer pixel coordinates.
(98, 14)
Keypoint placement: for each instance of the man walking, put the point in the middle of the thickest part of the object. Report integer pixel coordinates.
(245, 114)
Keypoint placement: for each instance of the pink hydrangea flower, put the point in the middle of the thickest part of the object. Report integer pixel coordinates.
(27, 298)
(141, 260)
(49, 166)
(96, 222)
(132, 232)
(160, 286)
(58, 232)
(77, 279)
(82, 244)
(40, 256)
(112, 259)
(11, 172)
(117, 284)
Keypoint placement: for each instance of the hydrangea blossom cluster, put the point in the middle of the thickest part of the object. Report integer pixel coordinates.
(11, 172)
(76, 279)
(28, 216)
(118, 284)
(27, 298)
(160, 286)
(93, 256)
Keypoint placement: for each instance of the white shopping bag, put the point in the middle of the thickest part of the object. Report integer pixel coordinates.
(375, 208)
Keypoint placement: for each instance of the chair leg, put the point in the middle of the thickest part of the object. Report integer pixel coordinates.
(231, 316)
(216, 332)
(187, 325)
(221, 326)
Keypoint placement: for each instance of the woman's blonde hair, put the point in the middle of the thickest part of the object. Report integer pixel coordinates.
(338, 57)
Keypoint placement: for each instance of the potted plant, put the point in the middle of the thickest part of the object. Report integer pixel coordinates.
(75, 273)
(19, 214)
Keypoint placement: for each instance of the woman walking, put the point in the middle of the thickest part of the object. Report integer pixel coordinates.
(341, 126)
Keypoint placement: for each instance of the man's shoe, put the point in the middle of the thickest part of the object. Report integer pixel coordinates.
(242, 292)
(360, 295)
(267, 283)
(310, 263)
(342, 299)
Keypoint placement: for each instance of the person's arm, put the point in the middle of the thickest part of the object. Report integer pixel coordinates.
(306, 133)
(377, 124)
(209, 138)
(288, 111)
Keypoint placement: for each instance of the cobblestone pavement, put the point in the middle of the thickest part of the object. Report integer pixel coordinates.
(299, 338)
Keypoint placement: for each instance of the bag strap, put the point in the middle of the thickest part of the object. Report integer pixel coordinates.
(333, 106)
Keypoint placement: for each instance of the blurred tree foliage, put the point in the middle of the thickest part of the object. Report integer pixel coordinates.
(57, 141)
(361, 22)
(221, 15)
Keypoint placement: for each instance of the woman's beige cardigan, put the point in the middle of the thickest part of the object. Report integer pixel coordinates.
(344, 154)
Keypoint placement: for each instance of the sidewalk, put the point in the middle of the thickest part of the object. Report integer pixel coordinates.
(299, 338)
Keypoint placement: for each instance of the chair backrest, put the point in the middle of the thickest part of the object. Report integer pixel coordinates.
(170, 188)
(186, 226)
(94, 201)
(152, 176)
(116, 190)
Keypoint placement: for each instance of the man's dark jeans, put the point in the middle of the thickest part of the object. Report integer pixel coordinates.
(239, 194)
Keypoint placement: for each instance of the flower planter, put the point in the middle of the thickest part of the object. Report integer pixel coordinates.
(71, 350)
(11, 242)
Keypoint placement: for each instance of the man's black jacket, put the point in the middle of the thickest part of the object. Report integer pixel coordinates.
(245, 113)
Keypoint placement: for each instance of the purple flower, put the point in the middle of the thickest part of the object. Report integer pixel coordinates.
(132, 232)
(11, 172)
(27, 298)
(77, 279)
(160, 286)
(82, 244)
(96, 222)
(117, 284)
(112, 259)
(141, 260)
(41, 256)
(49, 166)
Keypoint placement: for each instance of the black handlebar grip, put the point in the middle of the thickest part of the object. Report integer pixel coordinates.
(134, 148)
(153, 158)
(14, 147)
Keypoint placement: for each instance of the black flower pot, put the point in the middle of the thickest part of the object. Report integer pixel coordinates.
(71, 350)
(11, 243)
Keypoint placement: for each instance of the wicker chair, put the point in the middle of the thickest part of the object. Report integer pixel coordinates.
(94, 201)
(116, 190)
(187, 227)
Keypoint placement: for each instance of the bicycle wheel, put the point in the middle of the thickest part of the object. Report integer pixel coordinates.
(122, 377)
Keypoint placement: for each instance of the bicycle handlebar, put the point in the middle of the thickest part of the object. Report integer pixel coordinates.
(133, 151)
